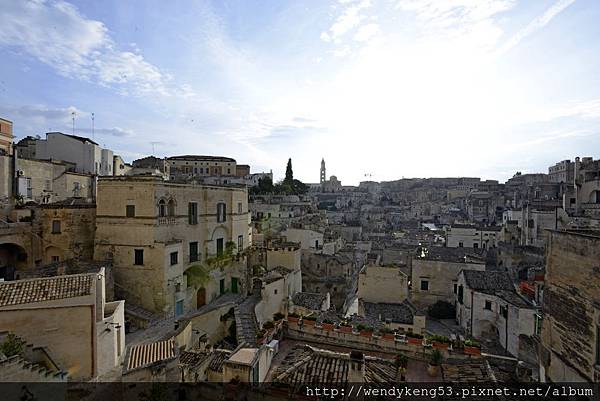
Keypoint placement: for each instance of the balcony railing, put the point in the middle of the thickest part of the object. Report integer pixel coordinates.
(167, 221)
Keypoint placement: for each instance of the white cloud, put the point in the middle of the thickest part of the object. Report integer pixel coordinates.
(366, 32)
(57, 34)
(351, 18)
(538, 23)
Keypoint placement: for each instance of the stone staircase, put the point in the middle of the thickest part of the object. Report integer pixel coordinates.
(24, 368)
(245, 320)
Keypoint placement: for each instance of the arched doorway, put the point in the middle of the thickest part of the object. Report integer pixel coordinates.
(201, 297)
(12, 258)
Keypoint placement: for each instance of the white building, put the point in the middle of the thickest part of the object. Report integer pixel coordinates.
(471, 236)
(488, 306)
(87, 155)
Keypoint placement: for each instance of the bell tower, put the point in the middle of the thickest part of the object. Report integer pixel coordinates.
(323, 175)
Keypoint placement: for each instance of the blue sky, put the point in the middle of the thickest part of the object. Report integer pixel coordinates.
(390, 88)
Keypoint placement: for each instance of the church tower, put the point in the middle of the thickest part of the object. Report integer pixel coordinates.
(323, 175)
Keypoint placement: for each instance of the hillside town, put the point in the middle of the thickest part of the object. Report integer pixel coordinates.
(195, 268)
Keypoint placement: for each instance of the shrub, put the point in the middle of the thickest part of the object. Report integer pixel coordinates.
(12, 345)
(436, 357)
(441, 339)
(442, 310)
(268, 325)
(311, 318)
(472, 343)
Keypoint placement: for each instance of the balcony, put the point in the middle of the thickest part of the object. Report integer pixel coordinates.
(167, 221)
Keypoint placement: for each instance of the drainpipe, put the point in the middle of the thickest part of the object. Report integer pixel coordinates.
(471, 313)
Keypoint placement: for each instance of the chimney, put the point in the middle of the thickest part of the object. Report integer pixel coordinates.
(356, 373)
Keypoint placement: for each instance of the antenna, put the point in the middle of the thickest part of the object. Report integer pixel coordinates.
(93, 136)
(73, 119)
(153, 143)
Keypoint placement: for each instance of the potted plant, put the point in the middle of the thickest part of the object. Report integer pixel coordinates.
(345, 328)
(365, 331)
(327, 325)
(309, 320)
(388, 334)
(261, 335)
(435, 360)
(293, 318)
(414, 338)
(440, 342)
(472, 347)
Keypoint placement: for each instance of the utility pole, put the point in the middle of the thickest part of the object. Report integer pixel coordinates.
(93, 136)
(73, 120)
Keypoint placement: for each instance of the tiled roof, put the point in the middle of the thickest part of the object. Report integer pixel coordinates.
(398, 313)
(193, 358)
(308, 300)
(45, 289)
(487, 280)
(202, 158)
(147, 354)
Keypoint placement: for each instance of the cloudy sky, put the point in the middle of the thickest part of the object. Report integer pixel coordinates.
(381, 89)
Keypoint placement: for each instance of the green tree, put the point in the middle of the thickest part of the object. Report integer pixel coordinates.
(289, 173)
(12, 345)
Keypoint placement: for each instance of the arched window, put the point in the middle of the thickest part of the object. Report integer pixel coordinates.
(171, 207)
(162, 208)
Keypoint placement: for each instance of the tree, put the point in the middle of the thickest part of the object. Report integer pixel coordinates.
(12, 345)
(289, 173)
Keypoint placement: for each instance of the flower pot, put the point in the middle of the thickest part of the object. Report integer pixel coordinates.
(327, 326)
(346, 329)
(440, 345)
(415, 341)
(365, 333)
(292, 320)
(472, 350)
(433, 370)
(309, 322)
(389, 336)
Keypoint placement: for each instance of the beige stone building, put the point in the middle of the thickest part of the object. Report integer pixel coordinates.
(435, 274)
(70, 317)
(154, 230)
(6, 137)
(190, 166)
(570, 330)
(387, 284)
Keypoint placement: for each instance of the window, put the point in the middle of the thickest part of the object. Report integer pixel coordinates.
(240, 210)
(424, 285)
(240, 244)
(138, 257)
(228, 171)
(174, 257)
(162, 208)
(130, 211)
(221, 212)
(504, 311)
(460, 244)
(455, 290)
(55, 226)
(275, 291)
(488, 305)
(55, 258)
(193, 213)
(460, 294)
(171, 207)
(193, 252)
(475, 245)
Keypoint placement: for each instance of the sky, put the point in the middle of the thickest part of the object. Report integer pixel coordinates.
(382, 89)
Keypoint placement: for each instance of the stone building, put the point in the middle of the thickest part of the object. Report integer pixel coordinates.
(68, 230)
(387, 284)
(435, 273)
(335, 274)
(70, 317)
(570, 334)
(6, 137)
(489, 308)
(472, 236)
(154, 230)
(195, 166)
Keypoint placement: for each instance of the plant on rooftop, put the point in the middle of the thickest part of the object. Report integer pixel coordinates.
(435, 359)
(12, 345)
(472, 343)
(268, 325)
(261, 333)
(198, 274)
(438, 338)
